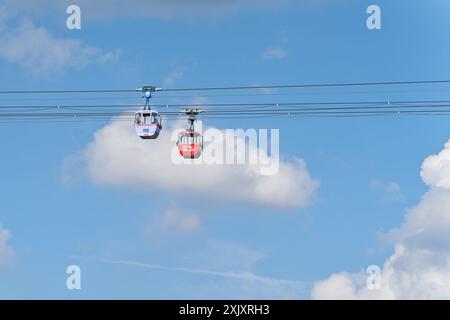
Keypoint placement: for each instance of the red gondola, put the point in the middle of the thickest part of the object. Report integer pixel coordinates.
(190, 144)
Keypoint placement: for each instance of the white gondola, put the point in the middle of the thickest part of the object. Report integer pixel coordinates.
(147, 124)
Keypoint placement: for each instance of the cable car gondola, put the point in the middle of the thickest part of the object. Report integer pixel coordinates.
(190, 142)
(147, 123)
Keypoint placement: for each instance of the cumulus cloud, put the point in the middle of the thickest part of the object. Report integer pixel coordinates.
(420, 265)
(340, 285)
(38, 51)
(6, 252)
(436, 169)
(118, 157)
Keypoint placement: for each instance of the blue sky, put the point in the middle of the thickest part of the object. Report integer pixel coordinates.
(368, 168)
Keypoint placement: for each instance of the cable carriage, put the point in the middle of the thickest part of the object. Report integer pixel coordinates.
(190, 142)
(147, 123)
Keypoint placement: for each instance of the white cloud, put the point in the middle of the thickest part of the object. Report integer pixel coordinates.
(420, 265)
(118, 157)
(337, 285)
(6, 253)
(38, 51)
(274, 53)
(436, 169)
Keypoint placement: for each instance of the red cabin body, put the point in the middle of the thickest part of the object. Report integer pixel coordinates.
(190, 144)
